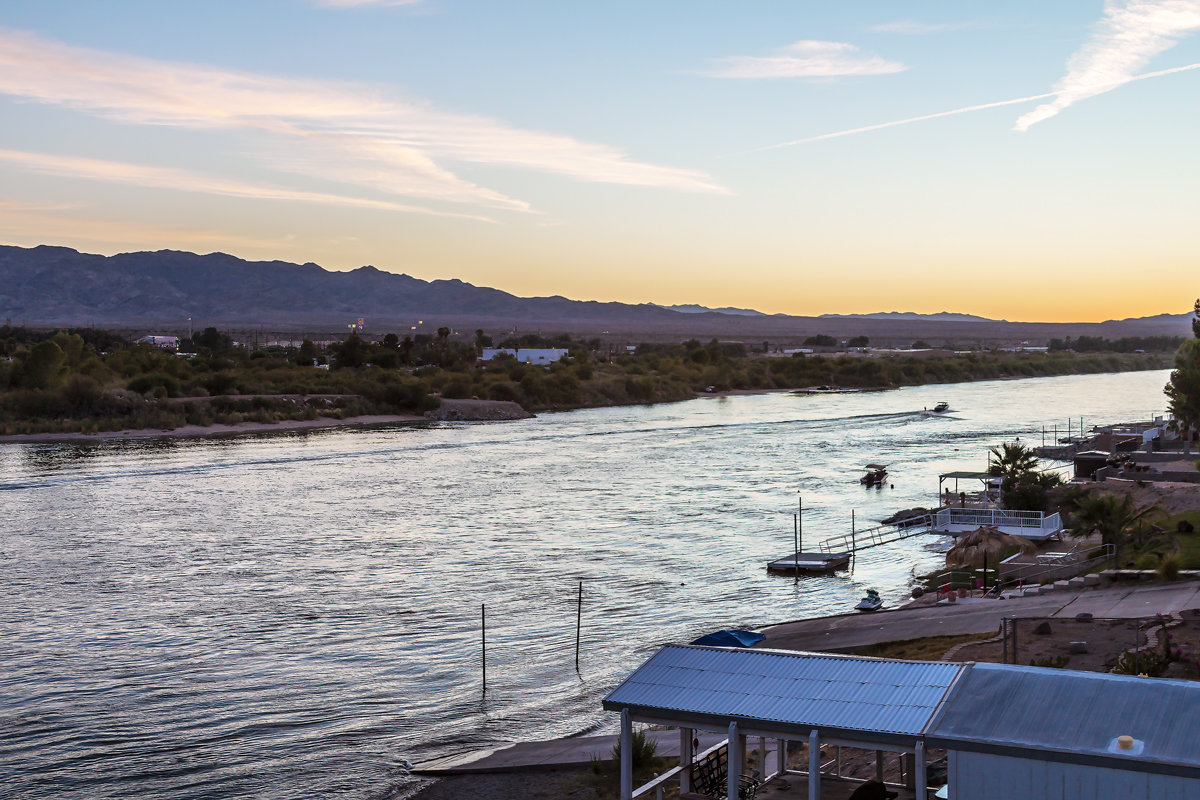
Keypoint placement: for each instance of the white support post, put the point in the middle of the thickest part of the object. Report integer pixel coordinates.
(626, 756)
(782, 746)
(685, 759)
(814, 765)
(919, 769)
(733, 767)
(762, 757)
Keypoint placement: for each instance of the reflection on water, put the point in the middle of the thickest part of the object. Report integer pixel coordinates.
(295, 615)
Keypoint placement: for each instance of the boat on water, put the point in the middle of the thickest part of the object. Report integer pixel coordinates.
(871, 602)
(941, 408)
(876, 475)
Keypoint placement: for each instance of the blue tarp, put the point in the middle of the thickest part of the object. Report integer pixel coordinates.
(730, 639)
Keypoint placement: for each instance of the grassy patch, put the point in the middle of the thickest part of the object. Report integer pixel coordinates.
(1184, 546)
(929, 648)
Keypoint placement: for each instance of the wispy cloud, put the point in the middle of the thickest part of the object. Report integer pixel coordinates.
(339, 132)
(807, 59)
(1128, 36)
(184, 180)
(908, 27)
(955, 111)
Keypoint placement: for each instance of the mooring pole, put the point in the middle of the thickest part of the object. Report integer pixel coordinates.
(483, 642)
(578, 625)
(796, 547)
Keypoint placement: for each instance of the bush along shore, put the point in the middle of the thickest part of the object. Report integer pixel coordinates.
(84, 380)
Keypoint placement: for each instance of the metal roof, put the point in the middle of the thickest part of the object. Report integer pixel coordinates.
(803, 690)
(977, 475)
(998, 707)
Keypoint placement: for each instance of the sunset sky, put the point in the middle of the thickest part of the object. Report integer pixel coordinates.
(1019, 160)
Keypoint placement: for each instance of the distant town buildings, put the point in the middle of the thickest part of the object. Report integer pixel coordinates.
(161, 342)
(526, 355)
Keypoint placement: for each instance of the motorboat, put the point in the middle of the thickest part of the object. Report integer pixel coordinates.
(871, 602)
(941, 408)
(876, 475)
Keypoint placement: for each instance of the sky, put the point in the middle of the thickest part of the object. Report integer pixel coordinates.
(1018, 160)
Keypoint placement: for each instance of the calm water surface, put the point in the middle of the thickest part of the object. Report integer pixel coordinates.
(294, 615)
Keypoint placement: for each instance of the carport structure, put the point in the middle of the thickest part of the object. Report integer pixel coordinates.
(852, 701)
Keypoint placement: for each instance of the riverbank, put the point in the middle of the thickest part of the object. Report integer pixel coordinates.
(450, 410)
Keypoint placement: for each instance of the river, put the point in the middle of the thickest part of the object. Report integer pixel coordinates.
(295, 615)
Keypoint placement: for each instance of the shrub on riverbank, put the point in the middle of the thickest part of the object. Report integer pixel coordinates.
(62, 382)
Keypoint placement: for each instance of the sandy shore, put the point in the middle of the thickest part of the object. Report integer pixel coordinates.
(450, 410)
(192, 431)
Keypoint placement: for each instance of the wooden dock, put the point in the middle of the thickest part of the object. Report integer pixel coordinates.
(809, 563)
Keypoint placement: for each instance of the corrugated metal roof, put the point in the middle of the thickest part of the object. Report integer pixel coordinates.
(1072, 712)
(807, 690)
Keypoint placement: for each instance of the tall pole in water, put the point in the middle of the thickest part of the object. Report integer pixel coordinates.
(578, 625)
(483, 642)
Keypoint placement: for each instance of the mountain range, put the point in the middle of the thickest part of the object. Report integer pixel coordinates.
(58, 286)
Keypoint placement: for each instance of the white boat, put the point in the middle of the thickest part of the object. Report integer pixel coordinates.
(876, 475)
(941, 408)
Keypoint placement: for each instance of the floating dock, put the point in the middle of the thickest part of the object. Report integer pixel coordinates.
(809, 563)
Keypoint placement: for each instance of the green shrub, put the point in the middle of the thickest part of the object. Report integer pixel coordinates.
(1147, 561)
(643, 749)
(1140, 662)
(1168, 569)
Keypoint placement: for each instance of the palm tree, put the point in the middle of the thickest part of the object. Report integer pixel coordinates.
(1111, 516)
(1011, 459)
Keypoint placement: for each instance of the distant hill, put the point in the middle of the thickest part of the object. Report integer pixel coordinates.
(60, 285)
(53, 286)
(737, 312)
(941, 316)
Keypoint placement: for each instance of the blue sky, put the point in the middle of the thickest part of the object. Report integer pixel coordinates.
(1019, 160)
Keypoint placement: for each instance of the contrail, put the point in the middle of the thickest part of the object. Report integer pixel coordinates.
(1031, 98)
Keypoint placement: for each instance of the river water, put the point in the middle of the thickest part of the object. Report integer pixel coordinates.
(295, 615)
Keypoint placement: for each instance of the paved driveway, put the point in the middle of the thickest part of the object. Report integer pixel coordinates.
(859, 630)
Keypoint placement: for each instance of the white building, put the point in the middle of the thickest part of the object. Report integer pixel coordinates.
(526, 355)
(161, 342)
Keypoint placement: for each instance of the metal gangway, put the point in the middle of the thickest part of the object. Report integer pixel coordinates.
(878, 535)
(947, 522)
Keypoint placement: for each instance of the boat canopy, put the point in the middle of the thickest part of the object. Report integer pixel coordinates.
(730, 639)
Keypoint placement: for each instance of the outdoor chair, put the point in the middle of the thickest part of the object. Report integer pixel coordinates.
(710, 778)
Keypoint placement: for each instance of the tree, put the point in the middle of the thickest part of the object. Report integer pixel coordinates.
(1011, 459)
(820, 340)
(308, 353)
(44, 366)
(1183, 389)
(213, 339)
(443, 333)
(1110, 516)
(350, 353)
(482, 340)
(859, 341)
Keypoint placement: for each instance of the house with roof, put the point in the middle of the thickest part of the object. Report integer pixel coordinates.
(526, 355)
(160, 341)
(1007, 731)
